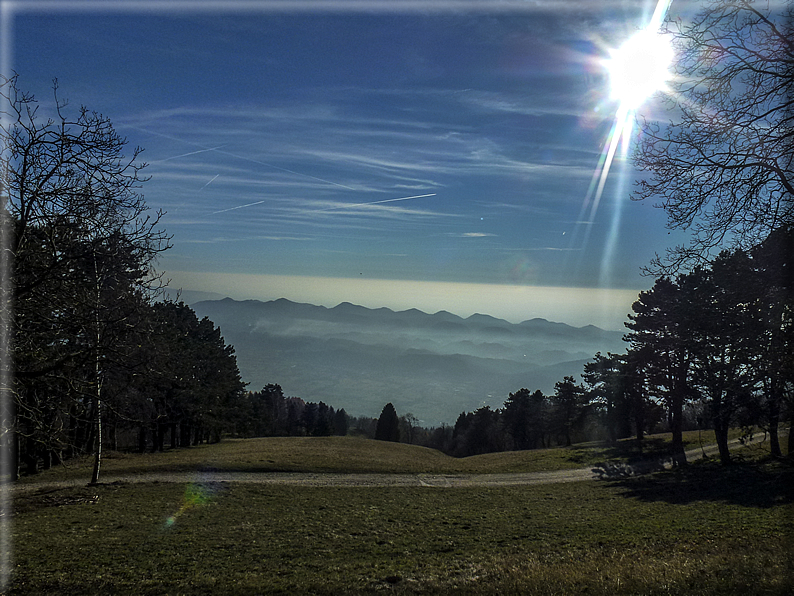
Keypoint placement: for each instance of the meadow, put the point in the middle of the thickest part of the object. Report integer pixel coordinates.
(704, 529)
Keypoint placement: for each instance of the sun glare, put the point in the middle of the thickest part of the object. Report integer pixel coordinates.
(639, 68)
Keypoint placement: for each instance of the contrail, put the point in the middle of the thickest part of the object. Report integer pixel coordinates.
(238, 206)
(191, 153)
(270, 165)
(208, 183)
(262, 163)
(330, 208)
(432, 194)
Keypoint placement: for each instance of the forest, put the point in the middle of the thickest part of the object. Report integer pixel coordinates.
(709, 349)
(90, 349)
(93, 355)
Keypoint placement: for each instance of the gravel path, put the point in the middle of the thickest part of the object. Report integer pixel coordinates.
(381, 480)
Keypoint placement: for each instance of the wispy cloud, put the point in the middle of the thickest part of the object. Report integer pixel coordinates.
(238, 238)
(249, 7)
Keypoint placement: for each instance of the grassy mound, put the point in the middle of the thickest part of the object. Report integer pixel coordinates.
(358, 455)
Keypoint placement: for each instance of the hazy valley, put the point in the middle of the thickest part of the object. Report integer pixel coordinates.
(434, 366)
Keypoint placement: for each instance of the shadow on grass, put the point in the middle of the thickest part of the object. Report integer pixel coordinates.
(751, 484)
(627, 451)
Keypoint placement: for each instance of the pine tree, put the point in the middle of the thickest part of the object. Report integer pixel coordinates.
(388, 428)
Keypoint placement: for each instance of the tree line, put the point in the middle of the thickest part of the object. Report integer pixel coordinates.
(712, 348)
(269, 413)
(94, 355)
(90, 350)
(712, 340)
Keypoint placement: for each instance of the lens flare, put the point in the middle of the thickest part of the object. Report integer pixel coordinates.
(195, 495)
(638, 69)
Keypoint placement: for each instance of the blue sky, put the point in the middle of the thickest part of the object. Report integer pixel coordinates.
(285, 142)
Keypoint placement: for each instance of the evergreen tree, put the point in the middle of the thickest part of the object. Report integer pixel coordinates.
(773, 262)
(340, 422)
(517, 420)
(388, 428)
(659, 350)
(606, 376)
(569, 401)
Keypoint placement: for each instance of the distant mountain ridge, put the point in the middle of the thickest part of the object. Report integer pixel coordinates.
(433, 365)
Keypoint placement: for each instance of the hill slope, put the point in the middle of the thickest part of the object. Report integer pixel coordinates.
(433, 365)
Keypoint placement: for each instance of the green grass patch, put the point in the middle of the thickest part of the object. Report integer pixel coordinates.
(358, 455)
(696, 531)
(316, 454)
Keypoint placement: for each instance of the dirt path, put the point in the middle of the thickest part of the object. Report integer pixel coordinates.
(380, 480)
(326, 479)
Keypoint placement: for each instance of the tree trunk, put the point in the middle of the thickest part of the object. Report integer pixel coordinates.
(47, 458)
(98, 451)
(71, 434)
(157, 437)
(774, 420)
(114, 439)
(184, 434)
(142, 439)
(677, 425)
(174, 443)
(638, 403)
(774, 439)
(87, 444)
(677, 447)
(721, 433)
(13, 457)
(97, 381)
(30, 458)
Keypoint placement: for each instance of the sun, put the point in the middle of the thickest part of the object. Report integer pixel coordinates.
(639, 68)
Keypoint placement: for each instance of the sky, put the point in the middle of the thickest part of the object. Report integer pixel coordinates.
(437, 155)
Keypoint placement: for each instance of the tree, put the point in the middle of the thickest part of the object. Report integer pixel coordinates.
(658, 348)
(478, 432)
(516, 419)
(607, 378)
(268, 412)
(722, 338)
(388, 428)
(340, 423)
(76, 237)
(773, 262)
(407, 425)
(569, 407)
(524, 418)
(197, 385)
(724, 167)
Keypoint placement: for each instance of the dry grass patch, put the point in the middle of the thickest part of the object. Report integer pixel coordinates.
(700, 531)
(358, 455)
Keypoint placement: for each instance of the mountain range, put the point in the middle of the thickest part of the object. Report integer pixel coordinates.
(432, 365)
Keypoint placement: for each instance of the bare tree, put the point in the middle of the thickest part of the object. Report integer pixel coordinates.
(77, 238)
(723, 167)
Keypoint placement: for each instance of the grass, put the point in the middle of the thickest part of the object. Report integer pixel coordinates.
(700, 530)
(358, 455)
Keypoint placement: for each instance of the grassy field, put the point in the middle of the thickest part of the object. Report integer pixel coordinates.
(701, 530)
(350, 454)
